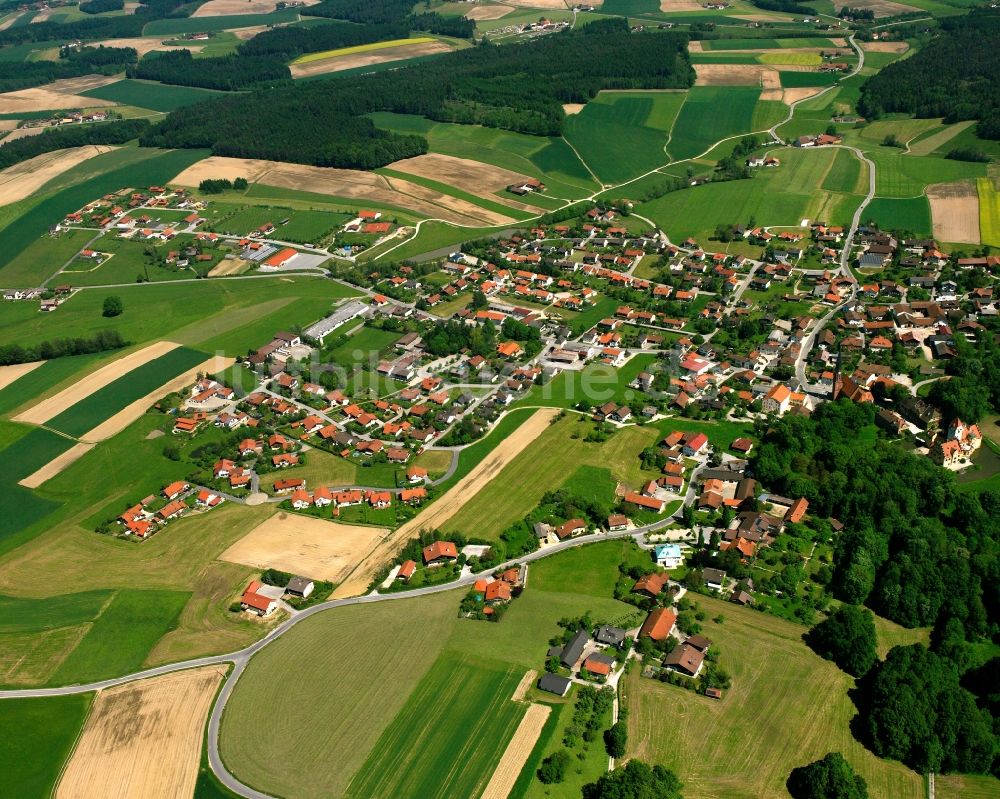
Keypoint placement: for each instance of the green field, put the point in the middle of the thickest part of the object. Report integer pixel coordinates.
(170, 27)
(844, 174)
(44, 256)
(31, 759)
(709, 114)
(435, 746)
(766, 716)
(128, 262)
(123, 635)
(622, 135)
(912, 214)
(150, 94)
(19, 615)
(900, 175)
(108, 400)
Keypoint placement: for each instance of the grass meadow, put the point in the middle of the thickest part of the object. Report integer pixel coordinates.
(122, 636)
(910, 213)
(41, 735)
(434, 747)
(711, 113)
(170, 27)
(18, 615)
(150, 94)
(622, 135)
(787, 707)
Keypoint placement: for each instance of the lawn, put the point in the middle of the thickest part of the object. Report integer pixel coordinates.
(150, 94)
(591, 570)
(363, 347)
(595, 383)
(622, 135)
(31, 759)
(766, 725)
(912, 214)
(118, 394)
(435, 745)
(544, 466)
(989, 211)
(709, 114)
(123, 635)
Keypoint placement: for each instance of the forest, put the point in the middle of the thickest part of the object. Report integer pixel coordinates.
(71, 136)
(518, 88)
(227, 73)
(288, 42)
(954, 76)
(72, 63)
(101, 6)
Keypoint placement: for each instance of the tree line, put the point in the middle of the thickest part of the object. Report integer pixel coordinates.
(519, 88)
(101, 6)
(954, 76)
(72, 63)
(101, 341)
(59, 138)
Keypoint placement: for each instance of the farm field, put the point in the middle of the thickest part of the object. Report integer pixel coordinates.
(170, 27)
(912, 213)
(621, 135)
(366, 55)
(434, 746)
(543, 467)
(165, 718)
(765, 715)
(47, 730)
(304, 545)
(711, 113)
(150, 94)
(989, 211)
(122, 636)
(22, 180)
(899, 175)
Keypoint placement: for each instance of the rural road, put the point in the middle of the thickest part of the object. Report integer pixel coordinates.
(241, 657)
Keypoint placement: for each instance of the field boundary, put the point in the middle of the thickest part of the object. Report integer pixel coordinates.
(519, 749)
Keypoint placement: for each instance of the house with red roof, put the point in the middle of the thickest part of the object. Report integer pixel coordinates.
(440, 552)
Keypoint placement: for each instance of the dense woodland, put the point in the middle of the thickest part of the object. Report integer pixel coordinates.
(72, 63)
(518, 88)
(71, 136)
(101, 6)
(954, 76)
(228, 73)
(287, 43)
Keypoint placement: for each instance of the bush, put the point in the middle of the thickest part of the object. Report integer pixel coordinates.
(616, 739)
(113, 306)
(829, 778)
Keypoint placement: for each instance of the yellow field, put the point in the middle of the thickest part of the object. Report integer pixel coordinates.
(804, 59)
(360, 48)
(989, 211)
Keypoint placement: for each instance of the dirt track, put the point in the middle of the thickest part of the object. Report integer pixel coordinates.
(24, 179)
(143, 739)
(314, 548)
(340, 63)
(955, 212)
(8, 374)
(88, 384)
(447, 506)
(365, 187)
(517, 752)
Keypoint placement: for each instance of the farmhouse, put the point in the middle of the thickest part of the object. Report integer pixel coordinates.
(440, 552)
(255, 602)
(574, 649)
(685, 659)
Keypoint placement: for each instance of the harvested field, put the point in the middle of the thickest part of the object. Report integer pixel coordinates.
(229, 266)
(7, 125)
(517, 752)
(305, 545)
(351, 183)
(552, 5)
(522, 687)
(56, 465)
(673, 6)
(737, 75)
(146, 44)
(474, 177)
(487, 13)
(885, 47)
(885, 8)
(353, 60)
(56, 95)
(88, 384)
(695, 47)
(789, 96)
(21, 133)
(569, 109)
(955, 212)
(454, 499)
(226, 8)
(248, 33)
(24, 179)
(8, 374)
(143, 738)
(114, 425)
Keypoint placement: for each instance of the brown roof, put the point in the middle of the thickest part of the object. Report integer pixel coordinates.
(652, 584)
(686, 658)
